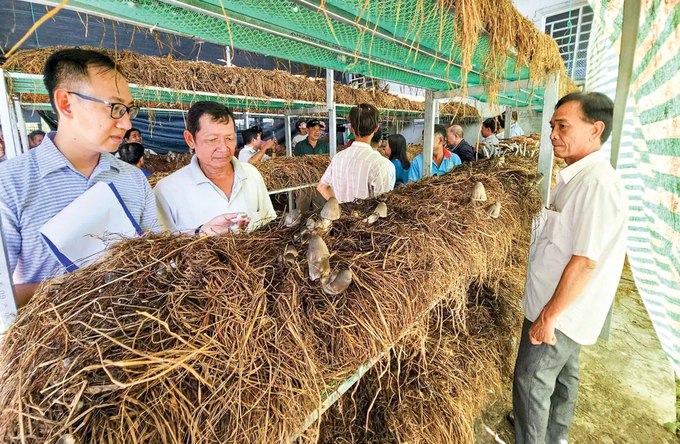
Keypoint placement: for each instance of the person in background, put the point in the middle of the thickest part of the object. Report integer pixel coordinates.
(255, 149)
(133, 153)
(312, 145)
(489, 132)
(302, 133)
(133, 135)
(2, 147)
(207, 196)
(574, 272)
(93, 103)
(442, 160)
(457, 145)
(397, 153)
(358, 172)
(376, 141)
(515, 129)
(35, 138)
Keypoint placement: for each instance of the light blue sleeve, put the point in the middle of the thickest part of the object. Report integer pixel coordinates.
(456, 159)
(416, 170)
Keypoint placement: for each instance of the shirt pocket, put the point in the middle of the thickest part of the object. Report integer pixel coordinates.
(555, 232)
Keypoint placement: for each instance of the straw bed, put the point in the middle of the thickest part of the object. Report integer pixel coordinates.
(166, 72)
(179, 339)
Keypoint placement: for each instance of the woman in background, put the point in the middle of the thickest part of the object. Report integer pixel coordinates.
(396, 152)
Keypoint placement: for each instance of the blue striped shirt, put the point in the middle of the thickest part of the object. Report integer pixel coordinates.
(37, 185)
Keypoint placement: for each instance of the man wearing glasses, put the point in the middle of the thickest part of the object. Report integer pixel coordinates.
(94, 108)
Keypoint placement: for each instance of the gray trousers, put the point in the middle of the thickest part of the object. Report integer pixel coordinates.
(545, 389)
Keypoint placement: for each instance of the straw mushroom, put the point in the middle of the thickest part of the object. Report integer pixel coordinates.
(312, 223)
(66, 439)
(478, 192)
(293, 218)
(304, 236)
(318, 258)
(337, 283)
(289, 256)
(380, 211)
(494, 210)
(329, 213)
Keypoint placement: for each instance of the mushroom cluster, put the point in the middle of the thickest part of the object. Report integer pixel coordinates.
(479, 195)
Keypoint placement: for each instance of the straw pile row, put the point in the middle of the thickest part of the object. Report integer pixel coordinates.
(166, 72)
(180, 339)
(278, 173)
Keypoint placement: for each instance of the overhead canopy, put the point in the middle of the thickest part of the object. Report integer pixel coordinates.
(413, 42)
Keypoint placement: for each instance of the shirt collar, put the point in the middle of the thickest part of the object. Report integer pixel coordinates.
(572, 170)
(199, 177)
(50, 159)
(447, 154)
(362, 145)
(250, 148)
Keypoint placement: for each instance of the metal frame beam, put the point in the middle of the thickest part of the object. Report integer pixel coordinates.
(508, 122)
(8, 120)
(330, 106)
(428, 138)
(629, 33)
(545, 153)
(510, 85)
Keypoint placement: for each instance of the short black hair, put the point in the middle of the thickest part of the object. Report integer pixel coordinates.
(300, 122)
(257, 129)
(249, 135)
(131, 153)
(32, 134)
(440, 130)
(491, 124)
(596, 107)
(129, 132)
(71, 65)
(376, 137)
(364, 119)
(217, 111)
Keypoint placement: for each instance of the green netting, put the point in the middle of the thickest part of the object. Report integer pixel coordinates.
(386, 58)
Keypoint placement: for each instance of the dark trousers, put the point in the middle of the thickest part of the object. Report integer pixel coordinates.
(545, 389)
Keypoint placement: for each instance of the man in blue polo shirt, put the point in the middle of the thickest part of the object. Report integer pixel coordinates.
(94, 106)
(442, 160)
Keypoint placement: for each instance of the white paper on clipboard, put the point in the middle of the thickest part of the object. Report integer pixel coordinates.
(74, 235)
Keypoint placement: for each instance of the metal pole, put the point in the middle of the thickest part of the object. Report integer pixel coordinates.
(22, 126)
(7, 121)
(436, 113)
(246, 118)
(508, 122)
(289, 152)
(428, 138)
(629, 33)
(8, 307)
(330, 105)
(545, 153)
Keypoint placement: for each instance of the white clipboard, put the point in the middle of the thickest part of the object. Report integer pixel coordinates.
(74, 236)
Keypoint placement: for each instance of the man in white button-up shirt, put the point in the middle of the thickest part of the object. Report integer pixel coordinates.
(573, 273)
(206, 196)
(359, 172)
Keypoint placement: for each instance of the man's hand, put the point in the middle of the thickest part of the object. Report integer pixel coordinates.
(223, 223)
(270, 144)
(542, 331)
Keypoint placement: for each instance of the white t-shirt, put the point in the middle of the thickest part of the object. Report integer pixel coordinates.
(247, 152)
(516, 130)
(492, 140)
(359, 172)
(297, 139)
(588, 217)
(187, 199)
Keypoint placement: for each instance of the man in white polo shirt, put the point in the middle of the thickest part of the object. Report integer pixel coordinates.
(255, 149)
(206, 196)
(359, 172)
(573, 273)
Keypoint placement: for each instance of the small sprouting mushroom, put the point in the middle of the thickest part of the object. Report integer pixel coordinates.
(501, 161)
(329, 213)
(536, 179)
(478, 192)
(293, 218)
(303, 236)
(337, 283)
(311, 223)
(290, 255)
(494, 210)
(318, 258)
(66, 439)
(380, 211)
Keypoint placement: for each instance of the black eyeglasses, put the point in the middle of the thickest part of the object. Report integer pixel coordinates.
(118, 110)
